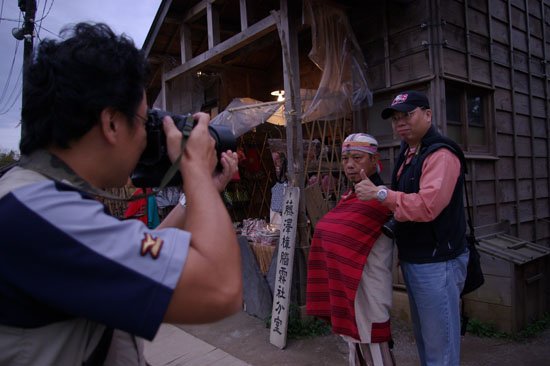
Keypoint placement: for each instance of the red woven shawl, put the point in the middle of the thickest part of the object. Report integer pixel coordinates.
(342, 241)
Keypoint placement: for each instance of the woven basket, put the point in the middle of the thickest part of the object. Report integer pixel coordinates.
(263, 254)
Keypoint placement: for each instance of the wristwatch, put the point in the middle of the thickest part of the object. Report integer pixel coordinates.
(382, 194)
(183, 200)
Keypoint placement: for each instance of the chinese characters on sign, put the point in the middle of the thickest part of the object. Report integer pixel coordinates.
(283, 276)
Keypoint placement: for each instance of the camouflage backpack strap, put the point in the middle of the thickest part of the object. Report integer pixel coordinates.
(49, 165)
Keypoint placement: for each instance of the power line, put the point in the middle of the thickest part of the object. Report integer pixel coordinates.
(49, 31)
(2, 10)
(10, 73)
(47, 13)
(12, 98)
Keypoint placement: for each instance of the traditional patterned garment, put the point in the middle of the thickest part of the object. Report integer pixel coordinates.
(343, 239)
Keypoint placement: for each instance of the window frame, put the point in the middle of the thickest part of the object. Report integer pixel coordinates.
(465, 91)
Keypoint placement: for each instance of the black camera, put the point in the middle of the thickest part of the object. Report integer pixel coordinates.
(154, 161)
(389, 228)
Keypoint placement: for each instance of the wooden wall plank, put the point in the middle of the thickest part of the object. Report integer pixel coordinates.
(538, 91)
(506, 167)
(508, 212)
(520, 61)
(540, 167)
(454, 63)
(486, 214)
(521, 82)
(525, 189)
(505, 147)
(518, 19)
(453, 13)
(503, 99)
(524, 168)
(455, 37)
(538, 107)
(484, 171)
(542, 189)
(481, 71)
(500, 33)
(521, 125)
(503, 121)
(521, 103)
(477, 22)
(534, 8)
(539, 128)
(479, 46)
(411, 67)
(485, 193)
(540, 147)
(507, 190)
(498, 10)
(519, 39)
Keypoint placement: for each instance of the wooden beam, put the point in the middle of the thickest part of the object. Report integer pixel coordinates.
(244, 14)
(213, 25)
(232, 44)
(185, 43)
(157, 23)
(196, 11)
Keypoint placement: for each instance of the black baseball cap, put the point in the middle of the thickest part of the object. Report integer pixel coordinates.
(405, 102)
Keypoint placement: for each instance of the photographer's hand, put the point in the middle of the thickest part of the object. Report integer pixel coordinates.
(229, 161)
(365, 189)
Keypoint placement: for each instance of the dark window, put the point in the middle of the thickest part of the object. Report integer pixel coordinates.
(468, 116)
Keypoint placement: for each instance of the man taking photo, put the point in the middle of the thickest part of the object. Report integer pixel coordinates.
(78, 286)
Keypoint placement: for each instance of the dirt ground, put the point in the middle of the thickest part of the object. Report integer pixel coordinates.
(247, 338)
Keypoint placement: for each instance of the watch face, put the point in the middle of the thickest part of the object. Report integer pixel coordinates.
(382, 194)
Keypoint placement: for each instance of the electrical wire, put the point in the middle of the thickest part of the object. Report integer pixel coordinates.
(13, 96)
(13, 102)
(47, 13)
(10, 73)
(2, 12)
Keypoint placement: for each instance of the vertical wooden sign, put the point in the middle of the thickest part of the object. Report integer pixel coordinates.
(285, 262)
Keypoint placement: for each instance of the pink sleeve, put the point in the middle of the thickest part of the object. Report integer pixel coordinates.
(440, 172)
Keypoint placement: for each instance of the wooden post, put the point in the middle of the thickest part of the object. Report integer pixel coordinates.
(286, 20)
(285, 261)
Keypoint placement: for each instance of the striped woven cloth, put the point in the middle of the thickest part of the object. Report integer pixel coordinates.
(341, 243)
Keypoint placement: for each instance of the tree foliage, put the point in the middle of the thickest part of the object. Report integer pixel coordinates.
(8, 157)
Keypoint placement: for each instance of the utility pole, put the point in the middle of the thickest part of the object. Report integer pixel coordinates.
(26, 33)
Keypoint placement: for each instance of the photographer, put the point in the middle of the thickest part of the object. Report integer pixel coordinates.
(430, 226)
(69, 272)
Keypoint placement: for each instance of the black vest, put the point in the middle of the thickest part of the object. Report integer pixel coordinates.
(443, 238)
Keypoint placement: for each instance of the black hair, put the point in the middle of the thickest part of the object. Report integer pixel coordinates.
(70, 82)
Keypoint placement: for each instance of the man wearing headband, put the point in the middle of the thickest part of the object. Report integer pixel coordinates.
(349, 266)
(430, 226)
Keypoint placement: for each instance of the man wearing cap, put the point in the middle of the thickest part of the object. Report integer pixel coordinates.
(350, 263)
(426, 199)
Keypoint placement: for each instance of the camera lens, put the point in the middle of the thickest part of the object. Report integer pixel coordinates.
(154, 162)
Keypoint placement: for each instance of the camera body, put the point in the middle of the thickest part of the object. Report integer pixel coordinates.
(390, 227)
(154, 161)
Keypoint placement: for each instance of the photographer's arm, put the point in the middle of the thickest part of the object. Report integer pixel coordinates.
(210, 286)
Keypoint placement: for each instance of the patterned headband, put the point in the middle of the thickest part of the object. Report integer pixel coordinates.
(360, 142)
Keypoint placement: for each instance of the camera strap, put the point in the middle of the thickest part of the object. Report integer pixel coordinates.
(174, 168)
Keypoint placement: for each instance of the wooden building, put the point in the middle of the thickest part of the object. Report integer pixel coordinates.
(483, 64)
